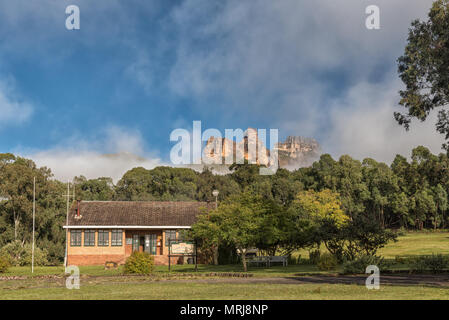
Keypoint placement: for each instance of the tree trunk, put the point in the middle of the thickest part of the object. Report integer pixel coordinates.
(243, 253)
(16, 227)
(15, 224)
(216, 255)
(435, 219)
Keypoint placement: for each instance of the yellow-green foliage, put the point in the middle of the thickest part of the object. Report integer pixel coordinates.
(327, 262)
(139, 263)
(322, 205)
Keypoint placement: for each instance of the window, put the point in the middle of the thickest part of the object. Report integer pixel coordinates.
(136, 242)
(116, 238)
(169, 235)
(103, 238)
(89, 238)
(75, 238)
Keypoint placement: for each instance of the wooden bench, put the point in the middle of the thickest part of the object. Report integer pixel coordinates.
(278, 259)
(258, 260)
(269, 260)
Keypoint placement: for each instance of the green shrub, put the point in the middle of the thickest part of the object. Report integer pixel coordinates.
(20, 255)
(327, 262)
(314, 256)
(4, 264)
(358, 266)
(139, 263)
(434, 263)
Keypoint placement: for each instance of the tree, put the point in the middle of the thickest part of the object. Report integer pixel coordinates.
(440, 198)
(237, 221)
(16, 182)
(423, 204)
(207, 232)
(382, 185)
(100, 189)
(424, 69)
(319, 215)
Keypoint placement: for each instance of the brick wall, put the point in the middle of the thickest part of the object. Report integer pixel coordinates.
(91, 260)
(97, 255)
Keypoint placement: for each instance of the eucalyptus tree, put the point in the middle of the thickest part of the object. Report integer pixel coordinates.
(424, 69)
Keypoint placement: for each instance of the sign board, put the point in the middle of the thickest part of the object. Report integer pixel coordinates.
(182, 247)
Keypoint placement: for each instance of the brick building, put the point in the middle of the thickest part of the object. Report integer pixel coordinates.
(101, 231)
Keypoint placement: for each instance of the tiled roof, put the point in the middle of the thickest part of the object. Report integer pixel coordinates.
(136, 213)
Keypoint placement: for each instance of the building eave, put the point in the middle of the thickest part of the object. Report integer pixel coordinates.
(126, 227)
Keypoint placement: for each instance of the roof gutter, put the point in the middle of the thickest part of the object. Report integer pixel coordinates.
(126, 227)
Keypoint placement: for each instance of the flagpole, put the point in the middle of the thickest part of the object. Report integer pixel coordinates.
(34, 214)
(67, 223)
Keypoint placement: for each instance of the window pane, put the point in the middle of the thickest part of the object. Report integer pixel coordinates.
(75, 238)
(135, 242)
(116, 238)
(103, 238)
(169, 235)
(89, 238)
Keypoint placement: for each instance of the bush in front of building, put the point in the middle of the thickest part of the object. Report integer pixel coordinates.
(139, 263)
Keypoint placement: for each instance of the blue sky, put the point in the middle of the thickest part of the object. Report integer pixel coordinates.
(136, 70)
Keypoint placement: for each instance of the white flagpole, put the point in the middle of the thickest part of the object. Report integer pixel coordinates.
(67, 223)
(34, 213)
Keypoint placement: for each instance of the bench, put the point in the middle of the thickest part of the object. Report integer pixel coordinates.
(258, 260)
(278, 259)
(269, 260)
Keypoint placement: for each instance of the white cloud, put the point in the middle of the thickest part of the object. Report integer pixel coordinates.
(111, 154)
(13, 109)
(305, 67)
(362, 125)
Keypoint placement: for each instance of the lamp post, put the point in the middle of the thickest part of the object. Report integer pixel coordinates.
(215, 194)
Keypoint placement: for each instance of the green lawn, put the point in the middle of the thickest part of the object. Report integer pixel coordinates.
(413, 243)
(418, 243)
(207, 291)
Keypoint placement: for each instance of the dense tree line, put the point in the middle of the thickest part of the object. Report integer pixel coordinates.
(410, 194)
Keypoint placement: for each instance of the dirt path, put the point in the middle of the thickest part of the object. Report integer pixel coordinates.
(441, 280)
(400, 280)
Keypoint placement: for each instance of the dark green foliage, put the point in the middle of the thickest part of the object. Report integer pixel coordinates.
(139, 263)
(4, 263)
(434, 263)
(358, 265)
(327, 262)
(314, 256)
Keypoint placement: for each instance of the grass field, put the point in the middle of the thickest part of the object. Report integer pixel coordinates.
(205, 291)
(97, 283)
(413, 243)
